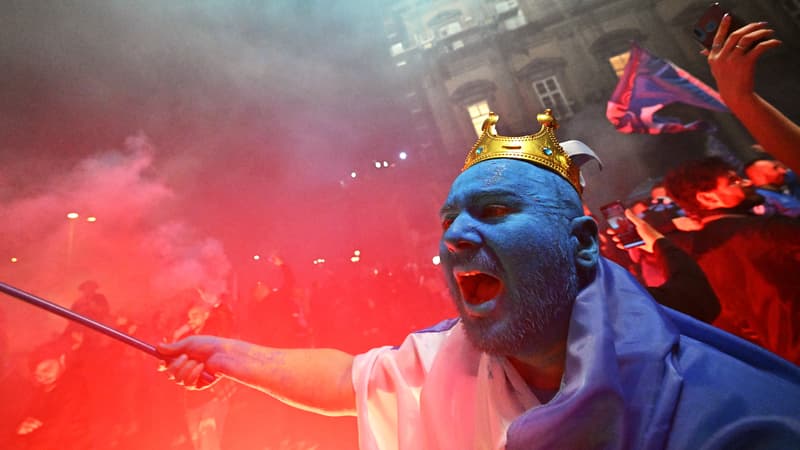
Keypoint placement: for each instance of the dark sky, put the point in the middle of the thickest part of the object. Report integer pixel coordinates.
(198, 133)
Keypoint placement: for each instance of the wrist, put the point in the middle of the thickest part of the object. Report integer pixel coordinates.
(742, 104)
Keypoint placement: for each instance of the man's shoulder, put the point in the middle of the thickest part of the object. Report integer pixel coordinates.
(759, 230)
(738, 232)
(444, 325)
(424, 342)
(415, 357)
(751, 221)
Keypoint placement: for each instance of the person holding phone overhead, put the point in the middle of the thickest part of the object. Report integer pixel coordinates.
(732, 58)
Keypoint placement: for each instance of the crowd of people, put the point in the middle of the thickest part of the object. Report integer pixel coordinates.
(91, 391)
(552, 347)
(736, 220)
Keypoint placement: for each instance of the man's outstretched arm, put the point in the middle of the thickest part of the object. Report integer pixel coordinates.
(317, 380)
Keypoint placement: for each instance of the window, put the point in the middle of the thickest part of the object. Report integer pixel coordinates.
(551, 96)
(450, 29)
(426, 39)
(478, 112)
(618, 62)
(505, 6)
(516, 22)
(396, 49)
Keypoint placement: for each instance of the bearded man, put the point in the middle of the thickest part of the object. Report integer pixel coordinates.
(554, 347)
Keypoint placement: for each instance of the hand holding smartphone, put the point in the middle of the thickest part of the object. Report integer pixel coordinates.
(624, 229)
(706, 27)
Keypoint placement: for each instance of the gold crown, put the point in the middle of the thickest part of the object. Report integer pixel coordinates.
(541, 148)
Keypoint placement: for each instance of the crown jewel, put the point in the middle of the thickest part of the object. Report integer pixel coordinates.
(541, 148)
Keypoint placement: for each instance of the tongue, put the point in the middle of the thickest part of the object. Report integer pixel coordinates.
(480, 288)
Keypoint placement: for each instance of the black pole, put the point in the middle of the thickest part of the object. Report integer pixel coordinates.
(87, 322)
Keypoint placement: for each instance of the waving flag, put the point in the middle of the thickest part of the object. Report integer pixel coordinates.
(648, 84)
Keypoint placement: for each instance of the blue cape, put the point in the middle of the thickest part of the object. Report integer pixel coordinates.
(641, 376)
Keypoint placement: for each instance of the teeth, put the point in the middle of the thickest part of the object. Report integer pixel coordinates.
(468, 274)
(480, 289)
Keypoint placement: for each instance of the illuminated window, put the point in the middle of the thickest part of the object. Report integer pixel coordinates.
(516, 21)
(551, 96)
(396, 49)
(478, 112)
(618, 62)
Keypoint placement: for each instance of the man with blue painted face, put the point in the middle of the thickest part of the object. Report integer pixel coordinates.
(554, 347)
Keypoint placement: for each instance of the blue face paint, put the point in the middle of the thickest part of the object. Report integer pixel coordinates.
(507, 254)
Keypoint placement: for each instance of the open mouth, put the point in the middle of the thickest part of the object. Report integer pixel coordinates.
(478, 287)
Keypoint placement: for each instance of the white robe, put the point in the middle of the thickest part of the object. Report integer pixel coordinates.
(436, 392)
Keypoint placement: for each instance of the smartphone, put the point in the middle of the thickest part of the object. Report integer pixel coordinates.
(660, 214)
(625, 230)
(706, 28)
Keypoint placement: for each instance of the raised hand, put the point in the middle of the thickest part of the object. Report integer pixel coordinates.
(733, 58)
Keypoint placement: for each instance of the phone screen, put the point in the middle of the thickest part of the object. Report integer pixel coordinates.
(614, 214)
(706, 27)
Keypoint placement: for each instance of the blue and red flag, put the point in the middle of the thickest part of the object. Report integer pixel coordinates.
(648, 84)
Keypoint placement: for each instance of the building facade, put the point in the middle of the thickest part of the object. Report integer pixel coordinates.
(456, 60)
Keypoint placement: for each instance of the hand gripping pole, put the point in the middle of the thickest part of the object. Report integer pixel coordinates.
(87, 322)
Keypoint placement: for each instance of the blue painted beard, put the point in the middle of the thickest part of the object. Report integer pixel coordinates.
(533, 306)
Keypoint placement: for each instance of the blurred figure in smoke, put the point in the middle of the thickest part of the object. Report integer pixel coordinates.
(275, 314)
(92, 303)
(94, 306)
(89, 355)
(15, 389)
(96, 358)
(206, 411)
(58, 416)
